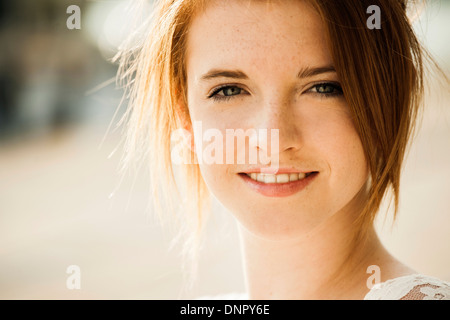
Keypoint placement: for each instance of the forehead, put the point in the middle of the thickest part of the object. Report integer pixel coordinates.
(239, 33)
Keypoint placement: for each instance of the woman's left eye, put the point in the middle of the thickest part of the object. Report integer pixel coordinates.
(327, 89)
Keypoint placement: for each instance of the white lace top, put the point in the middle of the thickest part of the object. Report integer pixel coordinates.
(411, 287)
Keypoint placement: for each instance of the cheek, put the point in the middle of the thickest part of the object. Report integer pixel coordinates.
(222, 185)
(344, 153)
(209, 131)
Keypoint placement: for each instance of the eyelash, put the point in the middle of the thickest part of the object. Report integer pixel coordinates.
(337, 91)
(214, 95)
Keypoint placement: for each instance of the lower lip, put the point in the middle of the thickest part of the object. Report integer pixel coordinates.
(278, 189)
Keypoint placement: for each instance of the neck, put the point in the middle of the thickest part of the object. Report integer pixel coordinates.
(326, 263)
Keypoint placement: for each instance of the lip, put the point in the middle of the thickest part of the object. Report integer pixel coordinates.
(275, 171)
(278, 189)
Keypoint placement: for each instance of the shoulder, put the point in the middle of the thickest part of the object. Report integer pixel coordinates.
(410, 287)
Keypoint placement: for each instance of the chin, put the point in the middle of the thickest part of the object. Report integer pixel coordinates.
(279, 225)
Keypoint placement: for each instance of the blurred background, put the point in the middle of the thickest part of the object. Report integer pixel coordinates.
(62, 201)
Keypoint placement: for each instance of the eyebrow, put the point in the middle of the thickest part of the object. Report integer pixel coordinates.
(310, 72)
(237, 74)
(216, 73)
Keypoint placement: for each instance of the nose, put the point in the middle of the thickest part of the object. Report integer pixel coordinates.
(277, 115)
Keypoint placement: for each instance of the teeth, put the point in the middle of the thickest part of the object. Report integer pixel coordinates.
(277, 178)
(282, 178)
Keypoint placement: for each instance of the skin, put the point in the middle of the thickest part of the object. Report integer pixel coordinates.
(295, 247)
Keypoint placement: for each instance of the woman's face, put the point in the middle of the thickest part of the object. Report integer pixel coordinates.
(265, 65)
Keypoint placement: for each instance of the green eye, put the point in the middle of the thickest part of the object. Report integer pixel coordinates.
(327, 89)
(231, 91)
(226, 92)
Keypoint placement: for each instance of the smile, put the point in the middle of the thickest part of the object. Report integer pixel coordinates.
(278, 178)
(278, 185)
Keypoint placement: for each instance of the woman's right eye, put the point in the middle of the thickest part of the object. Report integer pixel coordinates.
(225, 93)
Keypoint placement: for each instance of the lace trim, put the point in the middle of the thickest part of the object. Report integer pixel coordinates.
(411, 287)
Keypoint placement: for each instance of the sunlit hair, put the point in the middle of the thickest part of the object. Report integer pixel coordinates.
(381, 73)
